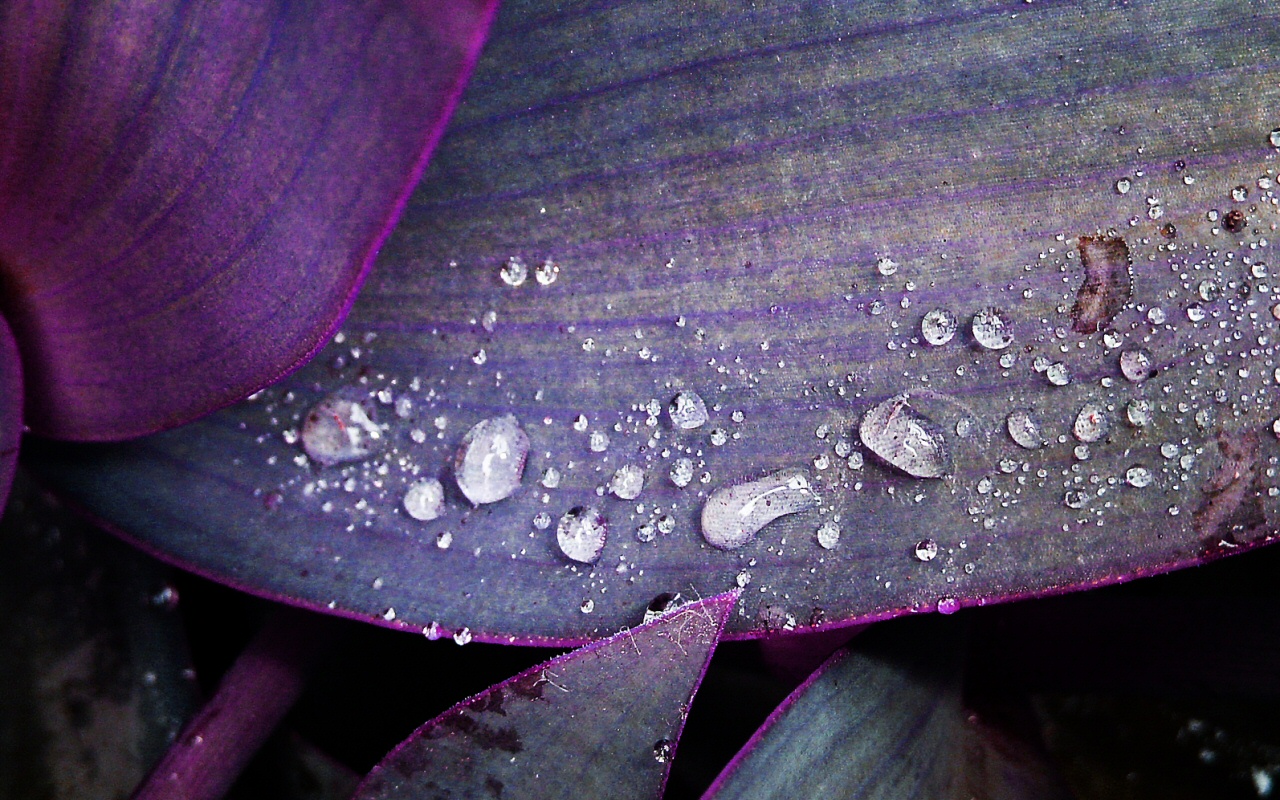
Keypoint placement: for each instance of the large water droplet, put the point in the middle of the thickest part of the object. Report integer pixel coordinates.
(991, 329)
(687, 411)
(581, 534)
(828, 535)
(1058, 374)
(1138, 476)
(1091, 423)
(734, 514)
(490, 459)
(1136, 365)
(425, 499)
(904, 438)
(341, 427)
(627, 482)
(926, 550)
(938, 327)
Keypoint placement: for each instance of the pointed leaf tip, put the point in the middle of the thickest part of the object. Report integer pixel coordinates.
(190, 194)
(602, 721)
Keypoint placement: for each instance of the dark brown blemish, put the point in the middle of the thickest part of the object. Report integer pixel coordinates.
(487, 736)
(529, 687)
(1231, 512)
(494, 786)
(1234, 221)
(1107, 283)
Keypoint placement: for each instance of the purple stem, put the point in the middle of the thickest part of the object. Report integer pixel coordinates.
(254, 695)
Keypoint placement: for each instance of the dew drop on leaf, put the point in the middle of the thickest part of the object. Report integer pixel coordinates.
(1024, 430)
(581, 534)
(904, 438)
(682, 472)
(490, 459)
(1136, 365)
(1091, 423)
(734, 514)
(662, 750)
(938, 327)
(425, 499)
(828, 535)
(341, 427)
(687, 411)
(1138, 476)
(627, 482)
(991, 329)
(514, 271)
(926, 550)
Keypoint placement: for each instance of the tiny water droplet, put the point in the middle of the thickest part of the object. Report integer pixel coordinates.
(598, 442)
(926, 550)
(1273, 138)
(938, 327)
(719, 436)
(444, 540)
(1075, 499)
(904, 438)
(1123, 185)
(514, 272)
(662, 750)
(627, 482)
(1058, 374)
(1091, 423)
(587, 606)
(1136, 365)
(687, 411)
(551, 478)
(341, 427)
(660, 605)
(581, 534)
(1209, 291)
(1195, 312)
(948, 605)
(463, 636)
(424, 500)
(490, 459)
(991, 329)
(682, 472)
(886, 266)
(734, 514)
(547, 272)
(1156, 315)
(1138, 476)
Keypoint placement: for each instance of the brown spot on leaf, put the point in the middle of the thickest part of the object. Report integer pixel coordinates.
(1231, 512)
(487, 736)
(1107, 283)
(1234, 221)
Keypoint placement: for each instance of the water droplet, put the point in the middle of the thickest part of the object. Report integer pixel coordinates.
(1138, 412)
(991, 329)
(938, 327)
(1275, 428)
(905, 438)
(1075, 499)
(581, 534)
(663, 749)
(463, 636)
(1209, 291)
(886, 266)
(1195, 312)
(627, 482)
(1058, 374)
(547, 272)
(1107, 282)
(1240, 193)
(444, 539)
(1138, 476)
(587, 606)
(1205, 418)
(646, 532)
(1156, 315)
(662, 604)
(598, 441)
(542, 520)
(1123, 186)
(425, 499)
(1091, 423)
(490, 459)
(926, 550)
(734, 514)
(551, 477)
(1007, 360)
(682, 472)
(948, 605)
(687, 411)
(1274, 138)
(341, 427)
(719, 436)
(514, 272)
(1136, 365)
(479, 357)
(1258, 270)
(489, 320)
(828, 535)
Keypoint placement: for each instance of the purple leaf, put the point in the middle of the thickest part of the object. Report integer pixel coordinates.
(10, 408)
(886, 720)
(602, 721)
(762, 210)
(190, 195)
(94, 666)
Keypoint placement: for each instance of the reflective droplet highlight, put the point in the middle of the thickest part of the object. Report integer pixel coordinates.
(991, 329)
(687, 411)
(514, 272)
(627, 482)
(904, 438)
(926, 550)
(341, 427)
(425, 500)
(1091, 423)
(1136, 365)
(490, 460)
(581, 534)
(938, 327)
(734, 514)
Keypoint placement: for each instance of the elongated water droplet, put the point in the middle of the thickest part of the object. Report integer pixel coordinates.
(904, 438)
(734, 514)
(1091, 423)
(627, 482)
(425, 499)
(1024, 429)
(341, 427)
(581, 534)
(687, 411)
(938, 327)
(490, 459)
(991, 329)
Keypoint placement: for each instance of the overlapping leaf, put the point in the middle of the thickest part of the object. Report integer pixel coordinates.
(189, 195)
(761, 205)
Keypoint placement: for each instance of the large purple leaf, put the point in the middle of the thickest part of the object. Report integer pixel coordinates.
(10, 408)
(95, 677)
(602, 721)
(887, 720)
(762, 208)
(190, 194)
